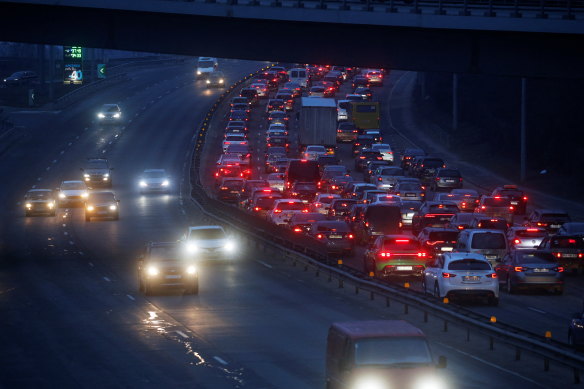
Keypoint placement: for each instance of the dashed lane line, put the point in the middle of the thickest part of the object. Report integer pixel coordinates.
(220, 360)
(182, 334)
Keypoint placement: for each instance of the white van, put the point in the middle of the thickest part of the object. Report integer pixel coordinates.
(490, 243)
(205, 66)
(299, 75)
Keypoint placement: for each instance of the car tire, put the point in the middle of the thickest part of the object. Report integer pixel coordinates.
(54, 213)
(493, 301)
(436, 290)
(194, 288)
(509, 288)
(148, 289)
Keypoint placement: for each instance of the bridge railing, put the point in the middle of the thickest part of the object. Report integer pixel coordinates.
(541, 9)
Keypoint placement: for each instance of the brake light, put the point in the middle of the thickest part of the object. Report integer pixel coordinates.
(277, 211)
(461, 227)
(517, 241)
(492, 275)
(559, 269)
(384, 254)
(571, 241)
(448, 275)
(224, 188)
(524, 198)
(258, 209)
(402, 241)
(519, 269)
(532, 230)
(319, 236)
(297, 229)
(437, 179)
(557, 255)
(350, 236)
(542, 224)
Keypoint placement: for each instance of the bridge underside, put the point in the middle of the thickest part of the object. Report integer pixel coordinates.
(460, 51)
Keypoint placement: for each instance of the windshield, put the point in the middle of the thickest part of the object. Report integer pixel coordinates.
(73, 186)
(291, 206)
(169, 252)
(488, 241)
(208, 233)
(206, 64)
(494, 202)
(39, 195)
(433, 163)
(555, 217)
(96, 165)
(101, 197)
(390, 351)
(154, 174)
(469, 264)
(412, 187)
(366, 108)
(449, 173)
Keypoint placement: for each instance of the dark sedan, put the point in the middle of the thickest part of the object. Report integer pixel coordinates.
(530, 269)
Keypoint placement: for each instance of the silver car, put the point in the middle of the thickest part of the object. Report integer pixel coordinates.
(525, 238)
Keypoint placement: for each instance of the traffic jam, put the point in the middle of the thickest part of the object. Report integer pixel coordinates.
(304, 148)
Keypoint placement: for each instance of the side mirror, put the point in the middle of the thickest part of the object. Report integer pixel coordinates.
(442, 362)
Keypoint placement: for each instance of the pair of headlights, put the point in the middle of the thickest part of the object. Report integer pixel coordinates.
(63, 195)
(431, 382)
(144, 184)
(115, 115)
(153, 270)
(221, 81)
(92, 208)
(192, 247)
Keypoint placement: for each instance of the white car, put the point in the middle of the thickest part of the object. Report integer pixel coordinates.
(343, 107)
(276, 180)
(466, 274)
(387, 199)
(154, 180)
(262, 89)
(385, 151)
(283, 210)
(312, 152)
(323, 201)
(72, 192)
(208, 242)
(234, 140)
(109, 113)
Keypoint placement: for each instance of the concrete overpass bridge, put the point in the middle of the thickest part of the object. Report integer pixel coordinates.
(539, 38)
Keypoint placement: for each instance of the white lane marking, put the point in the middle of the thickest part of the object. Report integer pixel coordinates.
(136, 114)
(537, 310)
(54, 161)
(91, 264)
(62, 152)
(130, 297)
(86, 128)
(82, 253)
(64, 225)
(110, 142)
(107, 279)
(77, 137)
(263, 263)
(71, 242)
(65, 233)
(103, 151)
(69, 144)
(34, 186)
(220, 360)
(48, 168)
(183, 211)
(129, 121)
(39, 178)
(182, 334)
(491, 364)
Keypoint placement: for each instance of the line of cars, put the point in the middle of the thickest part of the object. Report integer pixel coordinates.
(454, 228)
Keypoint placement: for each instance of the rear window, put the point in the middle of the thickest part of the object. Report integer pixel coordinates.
(530, 234)
(333, 227)
(345, 105)
(469, 264)
(540, 258)
(511, 193)
(400, 244)
(383, 215)
(303, 171)
(266, 202)
(294, 206)
(412, 187)
(233, 184)
(366, 108)
(449, 173)
(444, 236)
(298, 74)
(326, 200)
(443, 208)
(392, 172)
(392, 351)
(433, 163)
(343, 204)
(493, 202)
(488, 240)
(567, 242)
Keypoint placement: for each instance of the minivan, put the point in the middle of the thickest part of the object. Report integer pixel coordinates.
(379, 219)
(301, 170)
(490, 243)
(300, 76)
(380, 354)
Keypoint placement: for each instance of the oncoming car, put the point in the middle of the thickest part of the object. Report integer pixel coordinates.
(163, 265)
(154, 180)
(72, 192)
(102, 205)
(215, 79)
(208, 242)
(40, 201)
(109, 113)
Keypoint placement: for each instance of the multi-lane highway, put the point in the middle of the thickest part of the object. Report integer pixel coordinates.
(71, 312)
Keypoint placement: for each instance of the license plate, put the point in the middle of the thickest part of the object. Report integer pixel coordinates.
(404, 268)
(102, 212)
(555, 225)
(410, 194)
(172, 276)
(541, 270)
(491, 256)
(335, 236)
(449, 180)
(514, 202)
(446, 248)
(471, 278)
(234, 191)
(569, 255)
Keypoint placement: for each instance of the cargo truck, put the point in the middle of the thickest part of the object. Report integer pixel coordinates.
(318, 123)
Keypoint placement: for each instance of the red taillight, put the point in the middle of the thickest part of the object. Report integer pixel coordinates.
(297, 229)
(492, 275)
(437, 179)
(460, 179)
(572, 241)
(448, 275)
(277, 211)
(511, 208)
(402, 241)
(517, 241)
(557, 255)
(320, 236)
(384, 254)
(305, 210)
(257, 209)
(532, 230)
(224, 188)
(483, 207)
(350, 236)
(559, 269)
(581, 255)
(519, 269)
(461, 227)
(542, 224)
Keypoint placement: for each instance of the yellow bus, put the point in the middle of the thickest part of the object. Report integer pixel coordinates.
(365, 115)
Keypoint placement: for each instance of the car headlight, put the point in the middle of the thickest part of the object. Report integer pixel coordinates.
(191, 247)
(221, 81)
(106, 175)
(100, 115)
(113, 207)
(105, 178)
(86, 175)
(431, 382)
(208, 81)
(370, 383)
(50, 205)
(152, 270)
(84, 195)
(165, 183)
(28, 205)
(229, 247)
(90, 208)
(191, 269)
(198, 73)
(142, 184)
(117, 115)
(62, 195)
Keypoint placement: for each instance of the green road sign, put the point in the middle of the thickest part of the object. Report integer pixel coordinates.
(100, 70)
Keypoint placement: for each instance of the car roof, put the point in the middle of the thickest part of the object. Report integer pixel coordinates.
(378, 329)
(453, 256)
(153, 170)
(483, 231)
(73, 182)
(40, 190)
(194, 228)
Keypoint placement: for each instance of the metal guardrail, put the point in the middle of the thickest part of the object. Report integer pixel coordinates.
(298, 251)
(541, 9)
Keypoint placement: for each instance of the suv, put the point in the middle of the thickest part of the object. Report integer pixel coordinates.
(103, 205)
(427, 166)
(490, 243)
(162, 265)
(207, 242)
(40, 201)
(379, 219)
(568, 249)
(395, 255)
(97, 173)
(516, 195)
(433, 214)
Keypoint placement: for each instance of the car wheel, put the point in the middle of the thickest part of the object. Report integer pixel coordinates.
(194, 289)
(148, 289)
(509, 288)
(140, 284)
(436, 291)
